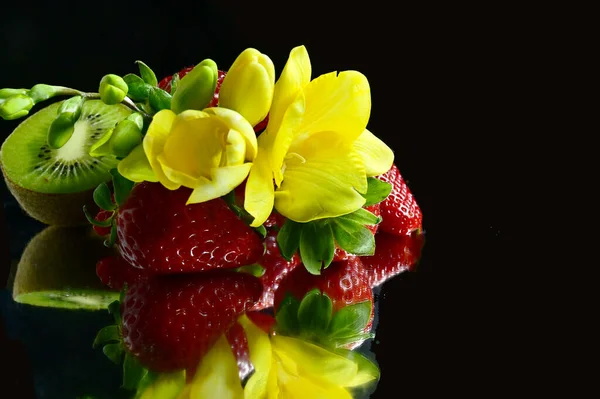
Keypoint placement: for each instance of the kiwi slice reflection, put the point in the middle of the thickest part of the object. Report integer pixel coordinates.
(58, 269)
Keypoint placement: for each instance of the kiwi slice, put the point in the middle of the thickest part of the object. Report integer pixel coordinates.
(52, 185)
(58, 269)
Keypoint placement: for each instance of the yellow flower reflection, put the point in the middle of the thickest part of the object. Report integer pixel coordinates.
(316, 148)
(209, 151)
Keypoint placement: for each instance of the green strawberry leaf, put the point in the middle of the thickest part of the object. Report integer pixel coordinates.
(377, 191)
(147, 74)
(114, 352)
(350, 320)
(138, 90)
(112, 238)
(115, 309)
(102, 197)
(133, 372)
(353, 237)
(109, 334)
(361, 216)
(121, 186)
(99, 223)
(368, 371)
(314, 314)
(288, 238)
(159, 99)
(317, 246)
(343, 341)
(254, 269)
(287, 315)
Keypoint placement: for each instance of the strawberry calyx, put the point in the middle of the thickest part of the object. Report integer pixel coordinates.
(109, 204)
(313, 319)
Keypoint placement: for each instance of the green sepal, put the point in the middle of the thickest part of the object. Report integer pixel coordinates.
(287, 315)
(114, 352)
(317, 246)
(159, 99)
(314, 314)
(133, 373)
(147, 74)
(115, 309)
(254, 269)
(145, 382)
(61, 130)
(377, 191)
(348, 323)
(343, 341)
(174, 83)
(109, 334)
(138, 89)
(102, 197)
(99, 223)
(353, 237)
(288, 238)
(361, 216)
(368, 371)
(121, 186)
(112, 237)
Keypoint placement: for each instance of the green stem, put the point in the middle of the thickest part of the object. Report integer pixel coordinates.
(128, 102)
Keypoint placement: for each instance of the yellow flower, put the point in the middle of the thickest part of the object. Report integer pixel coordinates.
(288, 367)
(316, 147)
(209, 151)
(248, 86)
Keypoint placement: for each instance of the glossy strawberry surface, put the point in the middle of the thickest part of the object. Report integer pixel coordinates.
(400, 212)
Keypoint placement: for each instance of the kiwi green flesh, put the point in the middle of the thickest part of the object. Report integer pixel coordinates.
(29, 162)
(58, 269)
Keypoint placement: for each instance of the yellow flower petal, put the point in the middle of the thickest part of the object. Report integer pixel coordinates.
(223, 181)
(284, 136)
(235, 149)
(136, 167)
(194, 148)
(154, 143)
(166, 386)
(302, 388)
(376, 155)
(294, 77)
(272, 384)
(236, 122)
(217, 375)
(259, 346)
(323, 178)
(339, 103)
(259, 187)
(315, 362)
(248, 86)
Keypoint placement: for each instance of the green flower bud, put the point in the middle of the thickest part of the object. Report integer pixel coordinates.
(196, 89)
(125, 138)
(5, 94)
(138, 119)
(61, 130)
(113, 89)
(102, 146)
(72, 106)
(42, 92)
(16, 106)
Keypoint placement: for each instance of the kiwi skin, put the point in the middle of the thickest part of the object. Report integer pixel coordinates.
(61, 259)
(53, 209)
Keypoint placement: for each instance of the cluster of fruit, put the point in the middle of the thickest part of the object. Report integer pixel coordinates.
(199, 277)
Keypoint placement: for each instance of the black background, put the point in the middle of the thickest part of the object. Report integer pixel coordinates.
(447, 95)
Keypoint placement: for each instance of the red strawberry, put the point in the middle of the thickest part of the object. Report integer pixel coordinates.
(339, 253)
(263, 320)
(114, 272)
(400, 212)
(236, 336)
(100, 217)
(345, 282)
(170, 322)
(393, 255)
(158, 232)
(165, 84)
(276, 268)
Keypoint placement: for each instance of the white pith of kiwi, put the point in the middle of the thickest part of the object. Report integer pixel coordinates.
(52, 185)
(58, 269)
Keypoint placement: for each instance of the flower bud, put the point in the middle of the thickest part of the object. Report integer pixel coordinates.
(248, 86)
(125, 138)
(61, 130)
(196, 89)
(16, 106)
(5, 94)
(113, 89)
(42, 92)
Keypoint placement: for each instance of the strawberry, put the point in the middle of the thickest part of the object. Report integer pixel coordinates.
(158, 232)
(400, 212)
(101, 217)
(339, 253)
(114, 272)
(393, 255)
(345, 282)
(170, 322)
(236, 336)
(262, 320)
(276, 268)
